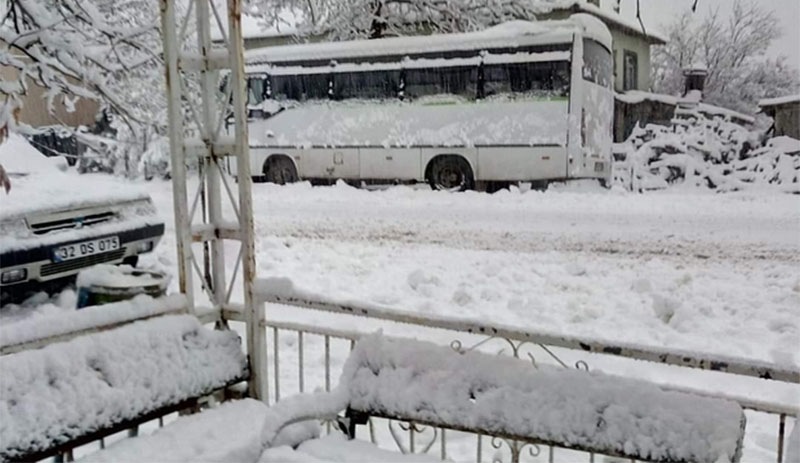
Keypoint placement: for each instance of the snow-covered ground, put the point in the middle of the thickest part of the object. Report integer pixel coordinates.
(694, 270)
(708, 272)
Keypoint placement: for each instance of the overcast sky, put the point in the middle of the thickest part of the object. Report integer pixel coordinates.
(658, 12)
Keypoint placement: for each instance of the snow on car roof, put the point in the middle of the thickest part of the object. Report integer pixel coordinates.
(19, 157)
(394, 124)
(511, 34)
(38, 186)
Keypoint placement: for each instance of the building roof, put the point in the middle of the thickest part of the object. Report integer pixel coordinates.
(617, 21)
(637, 96)
(779, 101)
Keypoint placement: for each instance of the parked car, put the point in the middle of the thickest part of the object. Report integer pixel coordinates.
(54, 223)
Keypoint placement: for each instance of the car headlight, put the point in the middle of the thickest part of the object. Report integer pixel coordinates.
(14, 228)
(13, 276)
(144, 246)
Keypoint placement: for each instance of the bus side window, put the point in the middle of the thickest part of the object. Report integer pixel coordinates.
(367, 85)
(496, 79)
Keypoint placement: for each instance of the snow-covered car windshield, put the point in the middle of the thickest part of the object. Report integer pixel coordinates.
(19, 158)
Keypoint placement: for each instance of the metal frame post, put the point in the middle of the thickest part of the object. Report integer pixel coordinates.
(197, 111)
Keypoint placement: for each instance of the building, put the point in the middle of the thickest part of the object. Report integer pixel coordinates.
(785, 114)
(631, 47)
(65, 111)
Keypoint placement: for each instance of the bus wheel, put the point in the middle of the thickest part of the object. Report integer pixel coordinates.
(279, 170)
(450, 173)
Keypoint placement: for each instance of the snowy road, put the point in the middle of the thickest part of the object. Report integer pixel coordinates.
(691, 225)
(714, 273)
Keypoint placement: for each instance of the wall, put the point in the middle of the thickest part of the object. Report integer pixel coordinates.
(34, 106)
(624, 41)
(626, 116)
(621, 41)
(787, 120)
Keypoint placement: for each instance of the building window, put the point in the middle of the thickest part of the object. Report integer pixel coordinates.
(630, 70)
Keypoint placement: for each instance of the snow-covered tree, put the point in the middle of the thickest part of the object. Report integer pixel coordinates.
(76, 47)
(732, 46)
(104, 50)
(352, 19)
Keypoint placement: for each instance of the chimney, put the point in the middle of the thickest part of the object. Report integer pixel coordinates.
(694, 79)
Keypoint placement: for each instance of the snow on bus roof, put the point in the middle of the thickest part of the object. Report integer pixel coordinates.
(510, 34)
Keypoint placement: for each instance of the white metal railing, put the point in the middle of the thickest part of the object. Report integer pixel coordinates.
(305, 356)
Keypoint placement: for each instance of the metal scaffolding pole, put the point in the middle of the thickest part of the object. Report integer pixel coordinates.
(199, 109)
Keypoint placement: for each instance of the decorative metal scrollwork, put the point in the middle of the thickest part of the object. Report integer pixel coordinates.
(412, 429)
(517, 351)
(515, 447)
(582, 365)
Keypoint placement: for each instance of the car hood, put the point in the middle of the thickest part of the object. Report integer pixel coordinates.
(40, 193)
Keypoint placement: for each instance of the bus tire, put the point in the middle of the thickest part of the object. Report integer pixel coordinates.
(450, 173)
(279, 170)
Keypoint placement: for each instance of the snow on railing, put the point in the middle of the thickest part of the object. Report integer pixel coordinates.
(39, 332)
(326, 342)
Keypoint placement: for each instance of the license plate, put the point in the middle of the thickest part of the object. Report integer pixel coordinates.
(86, 248)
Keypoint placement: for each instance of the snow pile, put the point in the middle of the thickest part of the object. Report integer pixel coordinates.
(69, 389)
(226, 433)
(51, 326)
(335, 448)
(231, 432)
(423, 381)
(299, 408)
(120, 276)
(705, 153)
(777, 163)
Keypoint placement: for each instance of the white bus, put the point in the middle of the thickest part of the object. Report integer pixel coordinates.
(520, 102)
